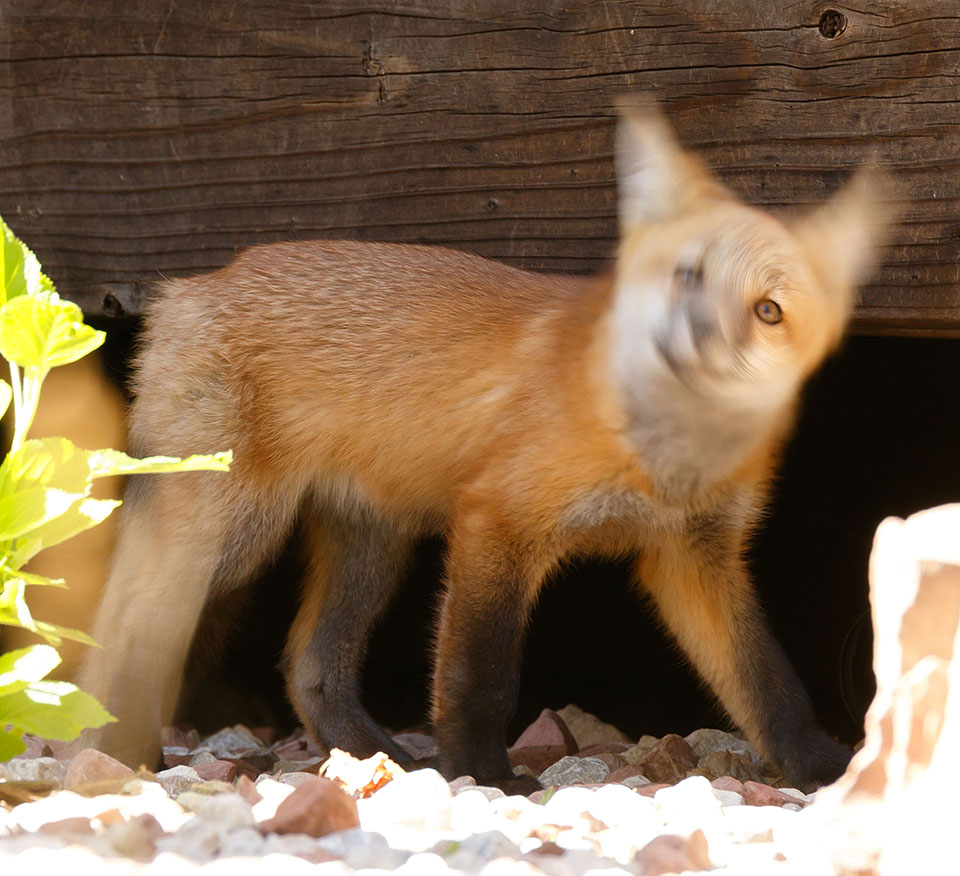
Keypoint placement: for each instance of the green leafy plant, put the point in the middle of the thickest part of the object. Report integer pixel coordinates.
(45, 497)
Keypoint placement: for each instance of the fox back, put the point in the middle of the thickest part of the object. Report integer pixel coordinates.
(380, 392)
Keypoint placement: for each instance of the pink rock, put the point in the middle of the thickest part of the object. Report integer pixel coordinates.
(68, 828)
(757, 794)
(417, 745)
(175, 759)
(728, 783)
(267, 733)
(536, 757)
(548, 729)
(216, 770)
(625, 772)
(674, 854)
(462, 782)
(248, 790)
(669, 760)
(317, 807)
(292, 749)
(91, 765)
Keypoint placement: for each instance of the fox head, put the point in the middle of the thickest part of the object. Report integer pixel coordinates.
(718, 299)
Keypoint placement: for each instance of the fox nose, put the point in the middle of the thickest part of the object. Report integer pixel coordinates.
(690, 300)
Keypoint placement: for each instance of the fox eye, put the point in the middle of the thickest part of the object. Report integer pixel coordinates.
(768, 311)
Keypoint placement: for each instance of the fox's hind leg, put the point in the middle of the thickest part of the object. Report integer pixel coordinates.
(356, 563)
(183, 538)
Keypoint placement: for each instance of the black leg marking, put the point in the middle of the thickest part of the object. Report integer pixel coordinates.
(353, 578)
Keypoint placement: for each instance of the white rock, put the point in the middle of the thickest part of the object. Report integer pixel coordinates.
(230, 740)
(689, 805)
(420, 799)
(632, 782)
(488, 791)
(574, 770)
(178, 779)
(33, 769)
(289, 844)
(473, 852)
(201, 758)
(567, 805)
(67, 804)
(227, 811)
(273, 793)
(470, 812)
(197, 840)
(295, 779)
(423, 864)
(361, 849)
(728, 798)
(244, 841)
(615, 805)
(706, 740)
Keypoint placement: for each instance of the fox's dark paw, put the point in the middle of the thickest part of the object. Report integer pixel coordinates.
(523, 785)
(822, 761)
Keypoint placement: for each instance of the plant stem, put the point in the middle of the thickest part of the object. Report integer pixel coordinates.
(17, 405)
(25, 399)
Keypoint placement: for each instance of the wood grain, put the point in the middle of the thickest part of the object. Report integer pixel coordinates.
(144, 139)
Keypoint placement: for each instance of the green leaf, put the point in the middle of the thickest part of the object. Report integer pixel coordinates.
(50, 462)
(113, 462)
(36, 580)
(53, 633)
(53, 710)
(19, 268)
(25, 665)
(6, 394)
(78, 517)
(11, 744)
(44, 331)
(31, 508)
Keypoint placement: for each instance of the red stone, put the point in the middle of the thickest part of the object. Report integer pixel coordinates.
(669, 760)
(316, 807)
(536, 757)
(216, 770)
(728, 783)
(625, 772)
(91, 765)
(548, 729)
(248, 790)
(757, 794)
(674, 854)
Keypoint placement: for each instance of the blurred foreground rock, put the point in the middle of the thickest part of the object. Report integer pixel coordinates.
(893, 813)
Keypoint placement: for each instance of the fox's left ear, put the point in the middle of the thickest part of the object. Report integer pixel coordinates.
(656, 178)
(841, 237)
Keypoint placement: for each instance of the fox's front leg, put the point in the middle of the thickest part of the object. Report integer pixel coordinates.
(699, 583)
(493, 576)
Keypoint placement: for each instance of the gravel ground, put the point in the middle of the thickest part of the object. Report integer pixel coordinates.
(237, 802)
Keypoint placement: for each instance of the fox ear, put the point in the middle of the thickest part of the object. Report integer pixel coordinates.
(842, 236)
(656, 177)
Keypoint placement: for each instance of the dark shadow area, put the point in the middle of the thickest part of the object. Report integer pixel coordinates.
(878, 435)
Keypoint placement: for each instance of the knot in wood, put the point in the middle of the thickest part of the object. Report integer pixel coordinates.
(832, 24)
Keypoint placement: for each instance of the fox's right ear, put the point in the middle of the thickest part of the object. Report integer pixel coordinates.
(656, 177)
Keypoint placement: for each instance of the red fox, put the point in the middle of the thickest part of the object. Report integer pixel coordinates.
(381, 392)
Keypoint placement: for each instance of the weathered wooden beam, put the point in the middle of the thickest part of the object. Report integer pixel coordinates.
(142, 139)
